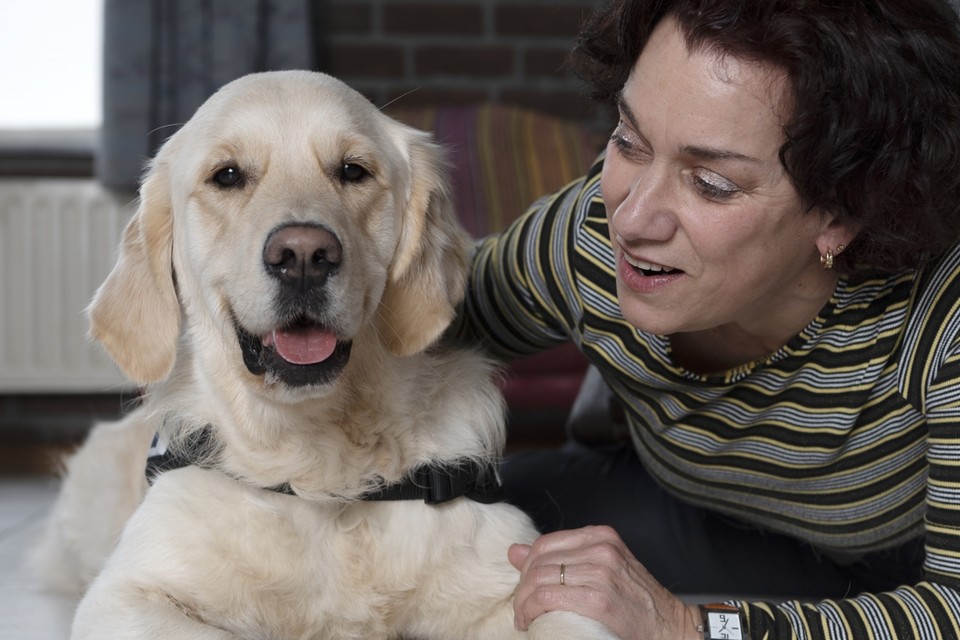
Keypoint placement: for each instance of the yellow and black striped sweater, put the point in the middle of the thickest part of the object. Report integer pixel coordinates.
(847, 437)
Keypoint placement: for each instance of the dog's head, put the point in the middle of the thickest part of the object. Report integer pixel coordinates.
(287, 220)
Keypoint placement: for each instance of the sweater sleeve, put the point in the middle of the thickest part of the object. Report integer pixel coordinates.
(926, 611)
(521, 296)
(930, 371)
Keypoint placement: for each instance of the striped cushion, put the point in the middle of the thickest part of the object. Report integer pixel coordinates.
(504, 157)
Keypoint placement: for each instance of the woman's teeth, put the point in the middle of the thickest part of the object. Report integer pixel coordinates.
(648, 268)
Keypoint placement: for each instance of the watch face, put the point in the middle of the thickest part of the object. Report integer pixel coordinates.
(724, 626)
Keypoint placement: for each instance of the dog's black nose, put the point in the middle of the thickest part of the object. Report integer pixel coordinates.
(302, 254)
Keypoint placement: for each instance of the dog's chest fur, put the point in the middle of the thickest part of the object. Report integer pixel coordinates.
(300, 560)
(376, 426)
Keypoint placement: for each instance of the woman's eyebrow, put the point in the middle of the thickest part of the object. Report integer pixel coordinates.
(710, 153)
(625, 110)
(695, 151)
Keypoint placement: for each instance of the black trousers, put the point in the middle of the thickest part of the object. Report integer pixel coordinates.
(688, 549)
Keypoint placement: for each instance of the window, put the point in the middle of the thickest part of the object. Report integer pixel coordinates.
(50, 64)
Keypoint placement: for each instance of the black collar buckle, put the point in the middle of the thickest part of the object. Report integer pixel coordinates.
(436, 484)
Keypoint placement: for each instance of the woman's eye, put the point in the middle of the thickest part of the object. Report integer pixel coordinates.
(714, 186)
(228, 177)
(618, 138)
(620, 142)
(626, 141)
(353, 172)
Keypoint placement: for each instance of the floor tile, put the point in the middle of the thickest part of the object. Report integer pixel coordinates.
(26, 611)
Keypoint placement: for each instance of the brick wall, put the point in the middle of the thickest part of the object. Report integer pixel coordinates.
(459, 51)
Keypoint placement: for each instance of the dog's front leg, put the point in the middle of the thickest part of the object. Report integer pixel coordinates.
(173, 573)
(556, 625)
(563, 625)
(122, 612)
(468, 590)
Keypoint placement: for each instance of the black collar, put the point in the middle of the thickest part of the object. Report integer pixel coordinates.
(433, 483)
(439, 483)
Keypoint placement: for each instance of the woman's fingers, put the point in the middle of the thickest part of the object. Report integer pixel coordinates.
(563, 571)
(591, 572)
(517, 554)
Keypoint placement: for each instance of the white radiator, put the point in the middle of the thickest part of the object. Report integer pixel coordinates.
(58, 241)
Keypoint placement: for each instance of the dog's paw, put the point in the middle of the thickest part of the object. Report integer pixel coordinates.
(564, 625)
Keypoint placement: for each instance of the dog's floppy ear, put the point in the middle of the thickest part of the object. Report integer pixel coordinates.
(135, 313)
(429, 271)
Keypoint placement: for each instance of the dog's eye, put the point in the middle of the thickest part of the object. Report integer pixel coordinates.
(353, 172)
(228, 177)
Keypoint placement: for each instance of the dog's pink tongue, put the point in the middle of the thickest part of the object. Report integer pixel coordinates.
(302, 345)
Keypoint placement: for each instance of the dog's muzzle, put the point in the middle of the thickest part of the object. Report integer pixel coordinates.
(302, 351)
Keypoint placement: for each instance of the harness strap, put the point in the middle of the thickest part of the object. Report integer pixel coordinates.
(432, 483)
(161, 458)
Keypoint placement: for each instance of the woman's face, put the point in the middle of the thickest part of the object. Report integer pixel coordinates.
(707, 228)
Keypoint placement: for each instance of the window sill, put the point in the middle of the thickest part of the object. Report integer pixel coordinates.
(47, 152)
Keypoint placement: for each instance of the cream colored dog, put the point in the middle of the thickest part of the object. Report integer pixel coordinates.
(293, 259)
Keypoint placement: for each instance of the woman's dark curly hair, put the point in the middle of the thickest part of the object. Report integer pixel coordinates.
(875, 132)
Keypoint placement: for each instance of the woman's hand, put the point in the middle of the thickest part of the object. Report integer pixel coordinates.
(601, 580)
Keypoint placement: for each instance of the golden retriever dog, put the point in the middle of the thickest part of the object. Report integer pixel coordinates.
(281, 288)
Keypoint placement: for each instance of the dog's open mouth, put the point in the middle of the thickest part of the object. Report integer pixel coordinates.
(299, 354)
(302, 344)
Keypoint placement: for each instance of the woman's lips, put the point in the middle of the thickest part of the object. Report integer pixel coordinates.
(645, 277)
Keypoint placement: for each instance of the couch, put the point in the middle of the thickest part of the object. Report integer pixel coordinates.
(503, 158)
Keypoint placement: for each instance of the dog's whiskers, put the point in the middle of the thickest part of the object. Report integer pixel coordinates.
(398, 98)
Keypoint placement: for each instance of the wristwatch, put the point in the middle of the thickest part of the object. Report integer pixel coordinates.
(721, 622)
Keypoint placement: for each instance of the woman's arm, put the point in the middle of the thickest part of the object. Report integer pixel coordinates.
(521, 295)
(929, 379)
(603, 581)
(625, 598)
(930, 609)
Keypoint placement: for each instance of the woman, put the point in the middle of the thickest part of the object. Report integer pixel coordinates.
(765, 269)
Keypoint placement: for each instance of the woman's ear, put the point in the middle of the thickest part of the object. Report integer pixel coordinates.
(836, 235)
(135, 313)
(429, 271)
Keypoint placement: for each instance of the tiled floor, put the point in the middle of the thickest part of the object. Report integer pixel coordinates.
(27, 612)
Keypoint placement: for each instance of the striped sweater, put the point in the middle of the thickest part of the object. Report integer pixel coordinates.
(847, 437)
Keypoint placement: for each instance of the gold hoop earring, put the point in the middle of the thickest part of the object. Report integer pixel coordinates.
(827, 260)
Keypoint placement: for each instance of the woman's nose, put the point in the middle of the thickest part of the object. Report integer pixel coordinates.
(649, 204)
